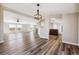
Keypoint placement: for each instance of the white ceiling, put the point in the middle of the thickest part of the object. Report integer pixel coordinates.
(46, 9)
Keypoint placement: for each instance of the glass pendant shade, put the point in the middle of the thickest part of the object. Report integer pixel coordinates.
(38, 16)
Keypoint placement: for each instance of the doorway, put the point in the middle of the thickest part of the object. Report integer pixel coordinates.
(56, 24)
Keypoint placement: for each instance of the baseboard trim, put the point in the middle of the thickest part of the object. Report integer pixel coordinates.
(1, 41)
(44, 38)
(70, 43)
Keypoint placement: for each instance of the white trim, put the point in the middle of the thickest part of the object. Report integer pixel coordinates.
(71, 43)
(44, 38)
(1, 41)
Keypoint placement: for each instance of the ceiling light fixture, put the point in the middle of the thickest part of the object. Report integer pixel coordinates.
(17, 20)
(38, 16)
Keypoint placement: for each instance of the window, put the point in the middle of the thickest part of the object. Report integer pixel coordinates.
(12, 27)
(15, 27)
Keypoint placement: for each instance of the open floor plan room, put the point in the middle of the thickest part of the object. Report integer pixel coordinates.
(39, 29)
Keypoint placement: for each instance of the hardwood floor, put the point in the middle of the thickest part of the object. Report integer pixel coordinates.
(28, 44)
(69, 49)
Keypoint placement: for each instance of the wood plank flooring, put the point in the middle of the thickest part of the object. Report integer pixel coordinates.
(28, 44)
(68, 49)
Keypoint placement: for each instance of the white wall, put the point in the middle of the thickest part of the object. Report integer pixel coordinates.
(1, 24)
(6, 28)
(70, 28)
(78, 28)
(26, 27)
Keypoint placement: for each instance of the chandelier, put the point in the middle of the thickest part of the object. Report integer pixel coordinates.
(38, 16)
